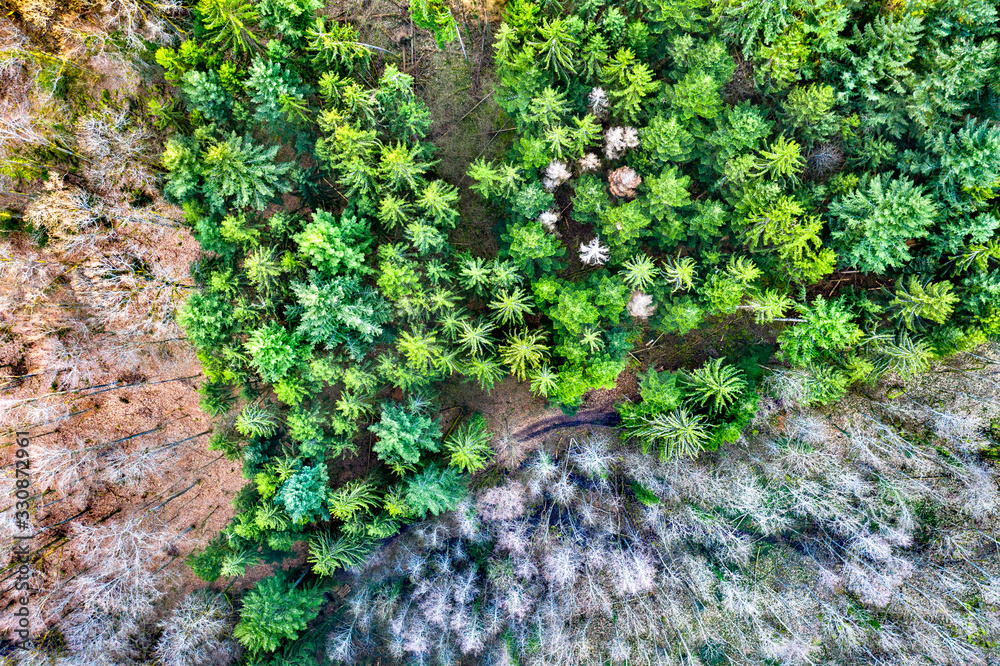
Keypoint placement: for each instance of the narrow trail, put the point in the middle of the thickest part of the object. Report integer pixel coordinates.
(599, 417)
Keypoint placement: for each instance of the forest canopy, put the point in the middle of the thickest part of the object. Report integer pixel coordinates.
(819, 180)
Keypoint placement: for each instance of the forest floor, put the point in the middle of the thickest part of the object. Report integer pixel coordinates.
(146, 409)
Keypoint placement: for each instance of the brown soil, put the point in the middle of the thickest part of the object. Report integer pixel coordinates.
(719, 336)
(837, 283)
(591, 417)
(508, 409)
(520, 422)
(122, 404)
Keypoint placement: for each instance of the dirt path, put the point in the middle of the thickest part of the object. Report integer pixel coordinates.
(600, 417)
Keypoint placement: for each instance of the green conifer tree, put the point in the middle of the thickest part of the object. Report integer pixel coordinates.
(238, 172)
(276, 610)
(228, 24)
(872, 223)
(404, 436)
(434, 490)
(715, 384)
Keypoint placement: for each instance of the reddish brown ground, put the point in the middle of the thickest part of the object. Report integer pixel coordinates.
(189, 493)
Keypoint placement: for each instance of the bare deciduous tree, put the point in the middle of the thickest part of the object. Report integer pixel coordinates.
(198, 632)
(121, 564)
(874, 510)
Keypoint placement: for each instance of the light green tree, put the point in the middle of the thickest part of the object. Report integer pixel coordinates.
(902, 354)
(524, 351)
(715, 384)
(401, 167)
(263, 269)
(303, 494)
(352, 498)
(510, 306)
(335, 245)
(437, 200)
(826, 327)
(676, 434)
(226, 23)
(274, 351)
(404, 436)
(769, 305)
(640, 272)
(421, 349)
(544, 381)
(630, 82)
(394, 211)
(328, 554)
(782, 160)
(934, 301)
(434, 491)
(532, 246)
(473, 273)
(872, 223)
(486, 371)
(236, 171)
(476, 337)
(555, 47)
(469, 446)
(810, 111)
(436, 16)
(548, 107)
(487, 178)
(680, 273)
(256, 420)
